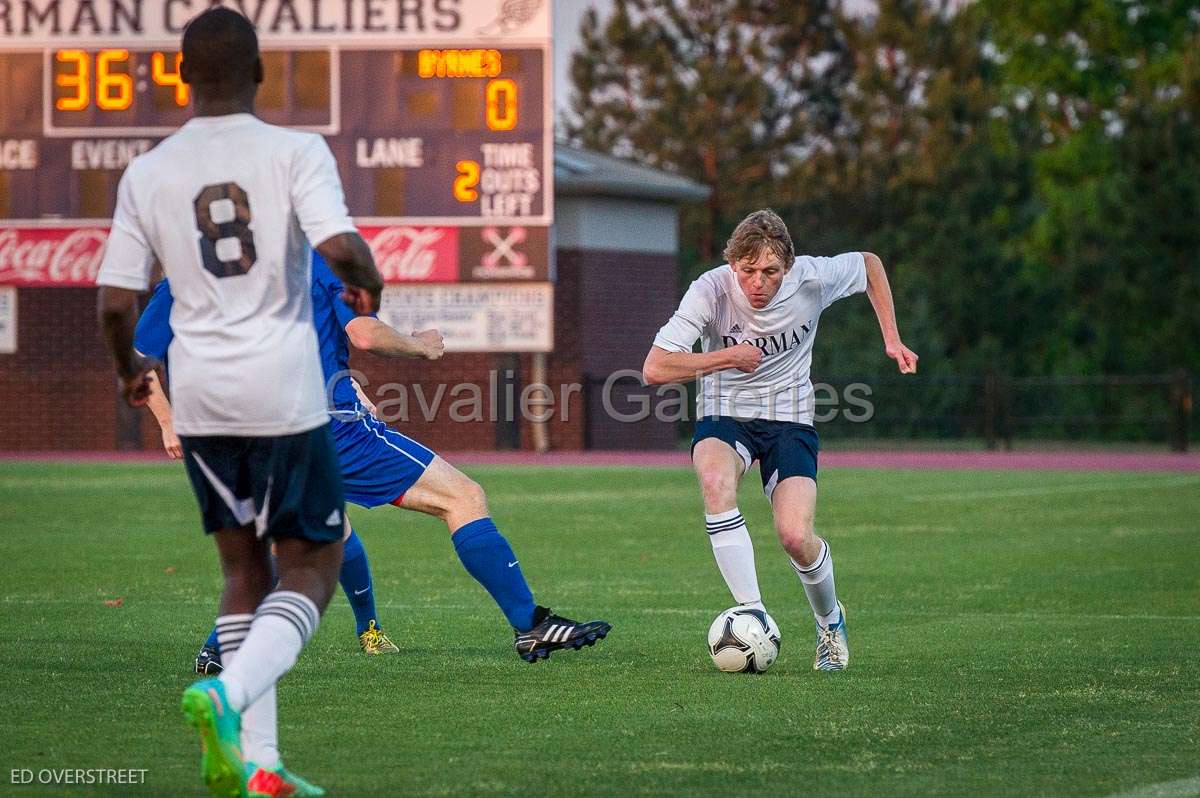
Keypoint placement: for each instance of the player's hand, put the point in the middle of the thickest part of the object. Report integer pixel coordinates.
(745, 357)
(362, 300)
(432, 344)
(171, 442)
(905, 358)
(135, 388)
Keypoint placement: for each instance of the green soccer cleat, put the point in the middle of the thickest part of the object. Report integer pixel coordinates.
(278, 782)
(304, 788)
(207, 708)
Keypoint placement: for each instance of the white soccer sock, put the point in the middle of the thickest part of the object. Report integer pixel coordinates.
(260, 731)
(260, 743)
(282, 625)
(735, 555)
(818, 586)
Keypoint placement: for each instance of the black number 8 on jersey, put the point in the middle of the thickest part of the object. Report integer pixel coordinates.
(226, 241)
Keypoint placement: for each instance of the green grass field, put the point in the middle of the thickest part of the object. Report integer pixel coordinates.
(1012, 634)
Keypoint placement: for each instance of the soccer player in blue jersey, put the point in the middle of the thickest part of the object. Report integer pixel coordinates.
(152, 338)
(381, 466)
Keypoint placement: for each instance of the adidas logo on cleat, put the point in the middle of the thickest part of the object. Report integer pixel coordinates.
(553, 632)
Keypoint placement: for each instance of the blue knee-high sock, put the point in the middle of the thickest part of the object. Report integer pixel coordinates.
(355, 578)
(211, 642)
(487, 556)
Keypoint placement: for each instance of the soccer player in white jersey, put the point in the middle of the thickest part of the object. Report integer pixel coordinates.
(229, 205)
(756, 317)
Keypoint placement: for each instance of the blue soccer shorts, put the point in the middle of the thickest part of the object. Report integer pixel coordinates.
(379, 465)
(286, 486)
(782, 448)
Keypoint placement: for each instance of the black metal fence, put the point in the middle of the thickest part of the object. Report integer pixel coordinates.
(991, 410)
(998, 409)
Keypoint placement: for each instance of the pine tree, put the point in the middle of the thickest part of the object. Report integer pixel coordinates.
(726, 92)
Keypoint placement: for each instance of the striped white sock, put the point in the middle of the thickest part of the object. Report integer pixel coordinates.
(735, 555)
(817, 577)
(231, 631)
(282, 625)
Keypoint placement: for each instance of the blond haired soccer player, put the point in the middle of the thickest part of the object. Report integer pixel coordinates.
(756, 317)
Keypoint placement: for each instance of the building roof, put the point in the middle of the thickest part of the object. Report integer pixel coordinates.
(583, 173)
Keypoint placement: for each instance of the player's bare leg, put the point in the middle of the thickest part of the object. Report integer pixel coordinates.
(719, 469)
(794, 502)
(446, 493)
(246, 565)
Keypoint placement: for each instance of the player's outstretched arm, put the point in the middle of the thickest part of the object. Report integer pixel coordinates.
(663, 367)
(351, 260)
(372, 335)
(880, 292)
(160, 406)
(116, 312)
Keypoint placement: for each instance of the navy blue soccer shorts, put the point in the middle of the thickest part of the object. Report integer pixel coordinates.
(287, 486)
(379, 465)
(782, 448)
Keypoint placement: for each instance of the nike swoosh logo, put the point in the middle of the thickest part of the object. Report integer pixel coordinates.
(360, 592)
(511, 564)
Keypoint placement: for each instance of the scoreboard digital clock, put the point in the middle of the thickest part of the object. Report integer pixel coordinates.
(437, 111)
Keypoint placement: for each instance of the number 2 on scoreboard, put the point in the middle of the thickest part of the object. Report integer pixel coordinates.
(467, 180)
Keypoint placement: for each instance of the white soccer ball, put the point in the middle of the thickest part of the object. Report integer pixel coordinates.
(743, 640)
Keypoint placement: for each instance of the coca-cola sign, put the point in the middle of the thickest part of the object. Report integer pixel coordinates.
(414, 254)
(51, 256)
(56, 256)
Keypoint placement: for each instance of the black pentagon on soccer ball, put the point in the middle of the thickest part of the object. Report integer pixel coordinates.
(728, 639)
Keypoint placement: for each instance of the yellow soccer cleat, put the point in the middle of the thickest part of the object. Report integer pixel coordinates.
(374, 641)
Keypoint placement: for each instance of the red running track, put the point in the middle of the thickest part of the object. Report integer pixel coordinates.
(1162, 462)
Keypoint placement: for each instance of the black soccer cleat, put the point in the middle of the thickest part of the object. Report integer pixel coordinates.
(208, 662)
(552, 632)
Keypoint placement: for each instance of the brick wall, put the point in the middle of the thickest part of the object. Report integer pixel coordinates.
(622, 298)
(59, 391)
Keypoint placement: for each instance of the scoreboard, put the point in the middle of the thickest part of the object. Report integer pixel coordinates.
(438, 112)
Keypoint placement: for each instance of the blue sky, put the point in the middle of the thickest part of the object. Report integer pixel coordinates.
(567, 16)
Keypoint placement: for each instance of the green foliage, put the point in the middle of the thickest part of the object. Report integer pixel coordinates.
(1029, 171)
(705, 88)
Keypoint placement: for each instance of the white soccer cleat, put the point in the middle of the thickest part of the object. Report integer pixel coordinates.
(833, 650)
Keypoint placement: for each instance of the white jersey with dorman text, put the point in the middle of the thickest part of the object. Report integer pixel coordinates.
(716, 311)
(229, 206)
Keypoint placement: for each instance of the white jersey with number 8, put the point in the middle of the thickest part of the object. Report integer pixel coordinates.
(229, 206)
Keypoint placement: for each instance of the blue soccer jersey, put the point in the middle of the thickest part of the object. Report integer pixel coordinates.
(330, 317)
(378, 464)
(154, 334)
